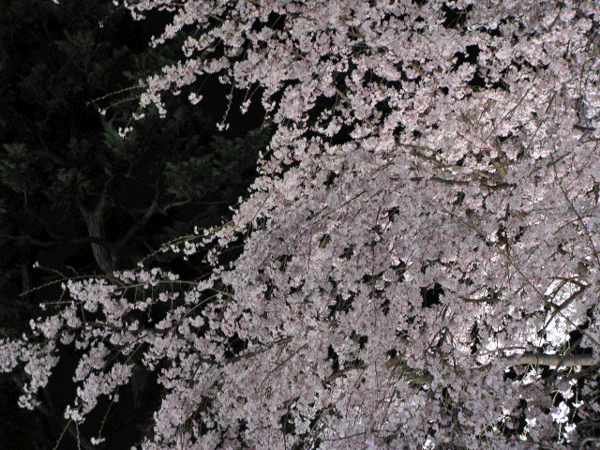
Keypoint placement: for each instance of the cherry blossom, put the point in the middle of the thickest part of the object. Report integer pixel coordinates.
(424, 149)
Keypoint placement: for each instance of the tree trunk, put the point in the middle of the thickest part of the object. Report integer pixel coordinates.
(94, 220)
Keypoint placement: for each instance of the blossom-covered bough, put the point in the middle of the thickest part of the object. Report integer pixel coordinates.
(422, 146)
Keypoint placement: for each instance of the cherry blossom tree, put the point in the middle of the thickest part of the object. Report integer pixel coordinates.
(418, 252)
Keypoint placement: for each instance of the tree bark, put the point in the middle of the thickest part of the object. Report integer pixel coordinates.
(104, 254)
(541, 359)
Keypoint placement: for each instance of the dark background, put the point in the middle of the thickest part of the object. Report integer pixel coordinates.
(79, 200)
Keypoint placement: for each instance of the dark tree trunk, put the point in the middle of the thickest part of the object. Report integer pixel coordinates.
(104, 254)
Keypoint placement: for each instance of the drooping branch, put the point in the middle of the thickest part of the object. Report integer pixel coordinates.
(53, 415)
(542, 359)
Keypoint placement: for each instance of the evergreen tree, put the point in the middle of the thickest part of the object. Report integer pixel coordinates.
(77, 196)
(68, 179)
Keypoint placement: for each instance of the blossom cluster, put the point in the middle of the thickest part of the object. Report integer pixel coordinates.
(445, 148)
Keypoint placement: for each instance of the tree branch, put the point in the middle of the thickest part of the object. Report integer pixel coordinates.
(52, 414)
(541, 359)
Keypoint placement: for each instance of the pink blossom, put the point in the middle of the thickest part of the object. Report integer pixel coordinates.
(486, 189)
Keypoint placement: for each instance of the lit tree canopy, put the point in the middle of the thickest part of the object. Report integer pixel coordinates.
(422, 237)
